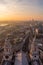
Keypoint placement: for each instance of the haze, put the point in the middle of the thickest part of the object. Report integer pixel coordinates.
(21, 10)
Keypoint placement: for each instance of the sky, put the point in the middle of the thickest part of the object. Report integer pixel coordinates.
(21, 10)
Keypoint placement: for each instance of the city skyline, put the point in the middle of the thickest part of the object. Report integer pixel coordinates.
(20, 10)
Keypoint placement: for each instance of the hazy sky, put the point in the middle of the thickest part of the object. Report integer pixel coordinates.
(21, 9)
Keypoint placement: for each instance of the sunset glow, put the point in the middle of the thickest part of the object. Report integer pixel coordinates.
(21, 10)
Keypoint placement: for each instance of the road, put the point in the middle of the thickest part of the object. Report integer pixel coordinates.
(21, 59)
(20, 56)
(20, 46)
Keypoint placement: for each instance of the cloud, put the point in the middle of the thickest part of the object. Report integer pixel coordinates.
(21, 5)
(40, 2)
(2, 2)
(22, 2)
